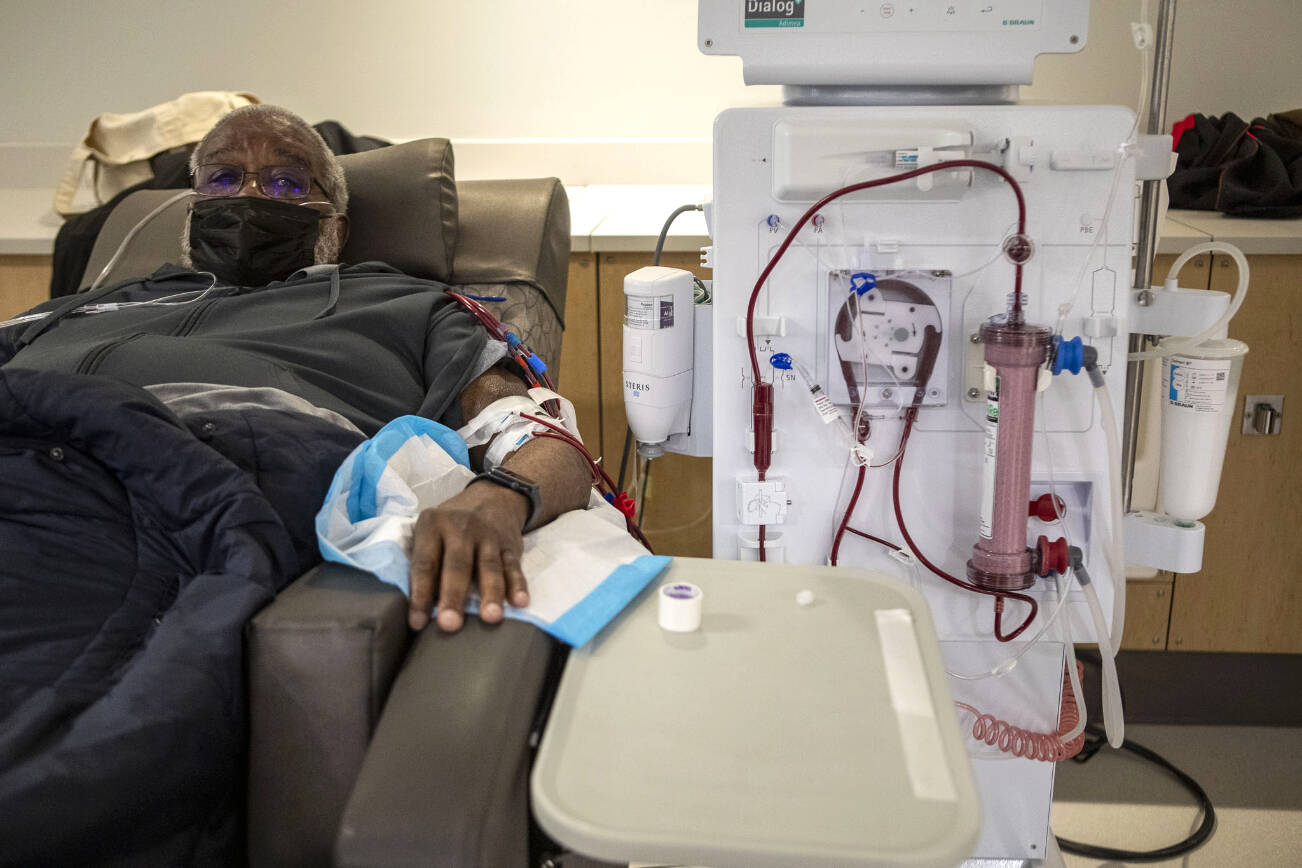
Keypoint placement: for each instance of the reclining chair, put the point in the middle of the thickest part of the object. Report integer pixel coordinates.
(368, 746)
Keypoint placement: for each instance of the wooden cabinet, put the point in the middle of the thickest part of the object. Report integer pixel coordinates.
(1248, 596)
(24, 283)
(578, 374)
(1148, 614)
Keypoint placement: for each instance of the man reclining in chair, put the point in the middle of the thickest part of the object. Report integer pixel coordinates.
(164, 444)
(270, 212)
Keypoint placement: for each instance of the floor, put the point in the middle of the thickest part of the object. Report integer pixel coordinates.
(1252, 774)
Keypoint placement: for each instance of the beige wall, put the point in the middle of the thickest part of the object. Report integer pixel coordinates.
(526, 69)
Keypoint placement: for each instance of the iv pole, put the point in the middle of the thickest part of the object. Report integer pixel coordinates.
(1146, 246)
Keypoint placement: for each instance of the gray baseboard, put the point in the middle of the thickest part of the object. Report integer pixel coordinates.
(1194, 687)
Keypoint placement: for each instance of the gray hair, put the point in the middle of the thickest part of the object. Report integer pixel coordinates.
(252, 122)
(271, 121)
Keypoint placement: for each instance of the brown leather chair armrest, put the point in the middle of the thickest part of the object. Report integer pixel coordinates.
(321, 658)
(445, 781)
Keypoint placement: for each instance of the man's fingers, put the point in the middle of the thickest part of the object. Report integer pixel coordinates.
(454, 582)
(517, 588)
(426, 557)
(492, 586)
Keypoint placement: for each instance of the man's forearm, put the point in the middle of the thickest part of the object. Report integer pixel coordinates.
(560, 471)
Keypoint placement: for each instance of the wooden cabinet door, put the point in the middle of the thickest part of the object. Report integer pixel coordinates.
(578, 375)
(1248, 596)
(24, 283)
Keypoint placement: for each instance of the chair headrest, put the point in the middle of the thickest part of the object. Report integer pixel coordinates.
(402, 210)
(402, 207)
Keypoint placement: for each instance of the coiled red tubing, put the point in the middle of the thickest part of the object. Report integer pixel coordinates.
(1043, 746)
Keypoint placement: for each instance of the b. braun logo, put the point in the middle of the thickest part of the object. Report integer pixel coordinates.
(1019, 22)
(637, 387)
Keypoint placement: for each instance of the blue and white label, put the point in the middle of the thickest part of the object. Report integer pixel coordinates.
(1197, 384)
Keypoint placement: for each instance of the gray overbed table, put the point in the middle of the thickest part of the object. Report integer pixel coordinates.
(776, 734)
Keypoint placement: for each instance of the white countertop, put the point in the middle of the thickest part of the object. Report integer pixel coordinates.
(28, 223)
(1260, 237)
(628, 217)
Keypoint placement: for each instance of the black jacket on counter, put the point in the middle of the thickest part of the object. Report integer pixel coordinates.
(1246, 169)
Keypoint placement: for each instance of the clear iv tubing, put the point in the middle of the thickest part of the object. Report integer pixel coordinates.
(1116, 539)
(945, 166)
(1064, 587)
(1170, 347)
(762, 392)
(113, 260)
(190, 297)
(1113, 718)
(1012, 739)
(1144, 73)
(144, 221)
(1062, 583)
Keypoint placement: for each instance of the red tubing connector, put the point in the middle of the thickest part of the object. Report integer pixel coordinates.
(761, 413)
(624, 504)
(1051, 557)
(1043, 508)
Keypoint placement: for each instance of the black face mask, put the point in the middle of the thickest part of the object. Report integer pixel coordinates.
(249, 241)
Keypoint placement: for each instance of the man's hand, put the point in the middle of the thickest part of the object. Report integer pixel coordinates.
(478, 534)
(474, 536)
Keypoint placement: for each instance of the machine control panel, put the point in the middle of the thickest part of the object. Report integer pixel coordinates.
(893, 16)
(945, 43)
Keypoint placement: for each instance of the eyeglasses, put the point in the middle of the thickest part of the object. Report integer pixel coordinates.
(286, 183)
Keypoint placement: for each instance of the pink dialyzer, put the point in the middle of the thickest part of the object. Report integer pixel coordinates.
(1001, 560)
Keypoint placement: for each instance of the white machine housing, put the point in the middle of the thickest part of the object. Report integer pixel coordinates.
(939, 247)
(824, 42)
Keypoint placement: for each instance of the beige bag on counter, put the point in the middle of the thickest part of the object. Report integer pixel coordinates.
(119, 146)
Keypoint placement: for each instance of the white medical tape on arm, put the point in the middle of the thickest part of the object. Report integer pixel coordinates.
(567, 417)
(501, 422)
(511, 438)
(494, 418)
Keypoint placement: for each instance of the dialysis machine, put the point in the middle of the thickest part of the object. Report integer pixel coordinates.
(922, 306)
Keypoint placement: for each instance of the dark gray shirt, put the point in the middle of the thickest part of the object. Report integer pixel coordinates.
(366, 341)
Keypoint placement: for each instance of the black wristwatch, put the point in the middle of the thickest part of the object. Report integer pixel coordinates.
(522, 484)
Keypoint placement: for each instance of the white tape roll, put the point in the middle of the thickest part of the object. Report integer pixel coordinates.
(680, 607)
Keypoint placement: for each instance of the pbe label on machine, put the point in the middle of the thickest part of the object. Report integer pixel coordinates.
(775, 13)
(649, 312)
(1197, 384)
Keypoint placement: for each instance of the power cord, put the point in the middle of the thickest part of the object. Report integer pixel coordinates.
(1095, 739)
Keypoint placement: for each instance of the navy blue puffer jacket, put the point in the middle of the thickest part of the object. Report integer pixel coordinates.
(134, 546)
